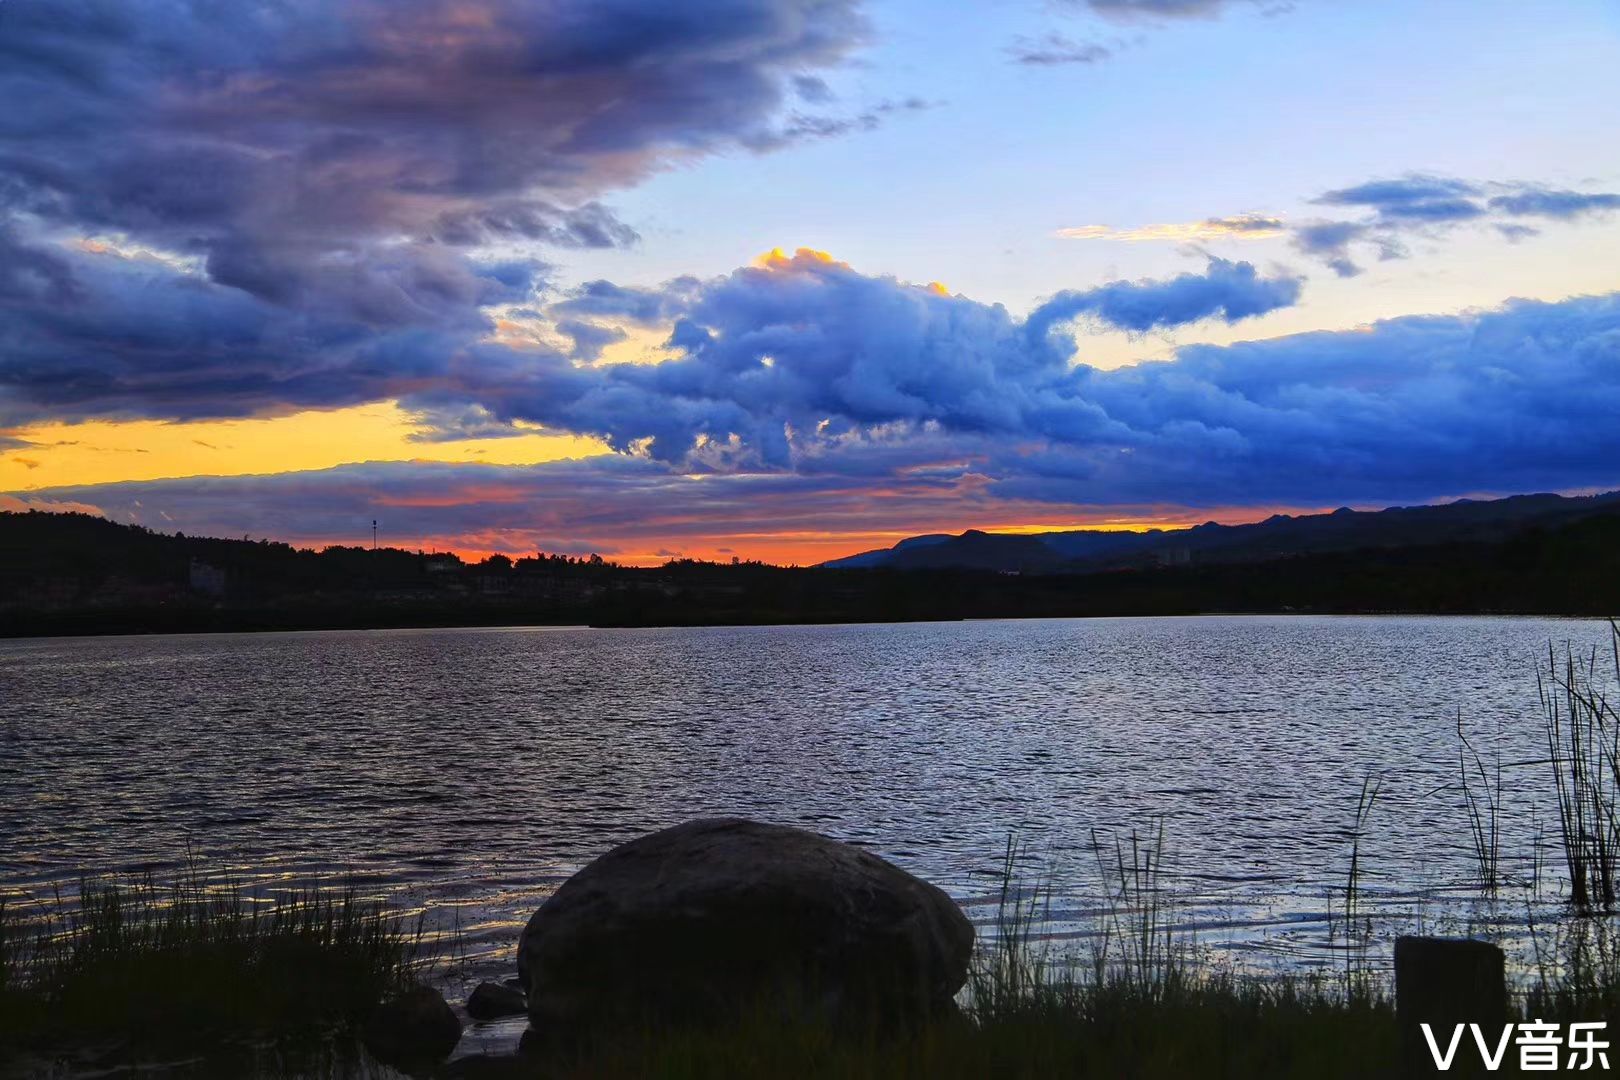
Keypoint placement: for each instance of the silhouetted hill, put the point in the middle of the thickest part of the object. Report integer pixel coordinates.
(1277, 536)
(977, 550)
(878, 557)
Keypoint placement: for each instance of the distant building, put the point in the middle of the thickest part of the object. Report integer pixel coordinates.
(207, 578)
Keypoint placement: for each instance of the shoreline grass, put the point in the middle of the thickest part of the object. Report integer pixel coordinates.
(191, 963)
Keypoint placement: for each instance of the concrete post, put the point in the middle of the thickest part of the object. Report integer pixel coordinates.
(1444, 982)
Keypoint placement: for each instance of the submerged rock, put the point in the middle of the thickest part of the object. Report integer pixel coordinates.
(721, 916)
(491, 1001)
(417, 1027)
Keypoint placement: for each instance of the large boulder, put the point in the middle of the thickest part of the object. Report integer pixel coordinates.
(723, 916)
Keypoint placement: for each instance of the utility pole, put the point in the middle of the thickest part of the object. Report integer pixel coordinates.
(373, 534)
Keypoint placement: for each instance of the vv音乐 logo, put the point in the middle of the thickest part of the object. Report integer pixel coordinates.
(1541, 1047)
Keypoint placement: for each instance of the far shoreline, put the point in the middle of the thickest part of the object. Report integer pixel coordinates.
(69, 575)
(251, 627)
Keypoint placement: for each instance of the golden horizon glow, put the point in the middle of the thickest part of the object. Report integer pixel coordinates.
(63, 454)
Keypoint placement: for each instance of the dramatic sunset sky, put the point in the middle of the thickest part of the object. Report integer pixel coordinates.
(794, 278)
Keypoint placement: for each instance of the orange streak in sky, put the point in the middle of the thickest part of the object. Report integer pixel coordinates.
(808, 547)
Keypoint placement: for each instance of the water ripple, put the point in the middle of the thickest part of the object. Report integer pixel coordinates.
(489, 764)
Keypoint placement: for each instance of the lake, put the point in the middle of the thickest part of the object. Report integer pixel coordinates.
(467, 772)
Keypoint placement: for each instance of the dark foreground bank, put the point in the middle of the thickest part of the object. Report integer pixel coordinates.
(65, 574)
(721, 948)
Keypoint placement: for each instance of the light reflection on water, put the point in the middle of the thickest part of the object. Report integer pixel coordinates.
(469, 771)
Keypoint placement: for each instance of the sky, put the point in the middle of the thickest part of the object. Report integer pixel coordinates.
(789, 279)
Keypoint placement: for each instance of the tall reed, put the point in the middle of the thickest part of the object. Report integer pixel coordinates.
(1358, 929)
(1134, 954)
(1010, 968)
(1482, 797)
(1578, 696)
(1148, 960)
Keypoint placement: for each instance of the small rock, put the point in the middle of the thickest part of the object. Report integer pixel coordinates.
(417, 1027)
(491, 1001)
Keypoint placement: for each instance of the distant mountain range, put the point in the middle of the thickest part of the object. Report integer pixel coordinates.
(1279, 536)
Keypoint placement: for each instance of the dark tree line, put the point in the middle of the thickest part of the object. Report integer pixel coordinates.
(68, 573)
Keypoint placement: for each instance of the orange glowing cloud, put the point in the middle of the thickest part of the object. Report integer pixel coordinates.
(802, 259)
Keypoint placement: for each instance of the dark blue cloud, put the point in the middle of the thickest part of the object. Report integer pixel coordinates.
(297, 203)
(644, 307)
(1330, 241)
(588, 226)
(1229, 291)
(589, 338)
(1416, 408)
(1333, 241)
(1429, 206)
(977, 428)
(350, 156)
(771, 355)
(1413, 408)
(103, 333)
(29, 273)
(1554, 203)
(1417, 198)
(136, 336)
(806, 366)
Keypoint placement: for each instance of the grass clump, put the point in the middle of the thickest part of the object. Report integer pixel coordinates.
(1146, 1003)
(188, 963)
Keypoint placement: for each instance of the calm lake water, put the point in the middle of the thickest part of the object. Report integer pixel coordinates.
(469, 771)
